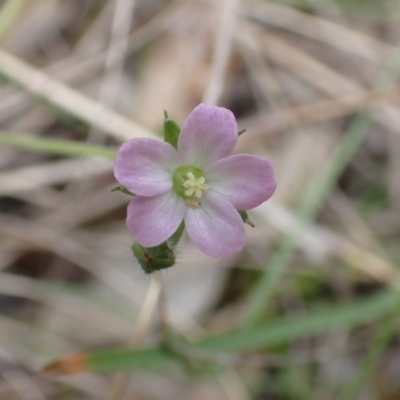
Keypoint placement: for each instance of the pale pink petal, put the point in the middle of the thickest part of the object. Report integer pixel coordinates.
(215, 227)
(208, 134)
(145, 166)
(152, 220)
(244, 180)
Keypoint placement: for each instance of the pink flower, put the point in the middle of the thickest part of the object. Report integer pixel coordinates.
(201, 183)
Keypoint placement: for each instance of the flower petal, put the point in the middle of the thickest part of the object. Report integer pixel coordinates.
(215, 227)
(208, 134)
(152, 220)
(244, 180)
(145, 166)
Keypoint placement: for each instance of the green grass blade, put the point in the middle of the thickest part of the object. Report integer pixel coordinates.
(55, 146)
(356, 133)
(379, 344)
(122, 359)
(375, 9)
(274, 270)
(8, 14)
(284, 330)
(275, 332)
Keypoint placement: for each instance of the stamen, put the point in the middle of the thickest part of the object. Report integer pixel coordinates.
(194, 186)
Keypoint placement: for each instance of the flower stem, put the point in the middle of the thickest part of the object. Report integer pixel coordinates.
(162, 304)
(146, 314)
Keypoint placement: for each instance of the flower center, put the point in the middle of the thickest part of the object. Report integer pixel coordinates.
(189, 182)
(194, 186)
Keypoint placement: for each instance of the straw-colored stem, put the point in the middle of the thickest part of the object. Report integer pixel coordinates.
(69, 100)
(222, 50)
(164, 318)
(114, 59)
(146, 314)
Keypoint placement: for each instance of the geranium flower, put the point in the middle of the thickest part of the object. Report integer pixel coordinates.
(201, 183)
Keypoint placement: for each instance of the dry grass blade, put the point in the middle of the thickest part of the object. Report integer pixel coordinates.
(66, 313)
(223, 45)
(20, 381)
(324, 110)
(115, 55)
(319, 75)
(317, 28)
(70, 365)
(69, 100)
(80, 67)
(306, 67)
(295, 77)
(41, 175)
(329, 243)
(74, 251)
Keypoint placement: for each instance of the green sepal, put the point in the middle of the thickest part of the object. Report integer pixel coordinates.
(159, 257)
(245, 218)
(174, 239)
(171, 131)
(122, 189)
(153, 259)
(241, 132)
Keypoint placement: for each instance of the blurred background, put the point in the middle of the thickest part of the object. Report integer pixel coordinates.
(309, 309)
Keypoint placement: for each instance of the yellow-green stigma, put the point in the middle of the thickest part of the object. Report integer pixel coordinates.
(189, 182)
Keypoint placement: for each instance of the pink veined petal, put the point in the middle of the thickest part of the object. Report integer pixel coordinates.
(208, 134)
(152, 220)
(215, 227)
(145, 166)
(243, 180)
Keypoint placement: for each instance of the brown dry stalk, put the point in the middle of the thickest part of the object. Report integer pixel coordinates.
(320, 111)
(68, 99)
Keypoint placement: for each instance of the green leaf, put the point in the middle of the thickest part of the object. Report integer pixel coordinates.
(171, 131)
